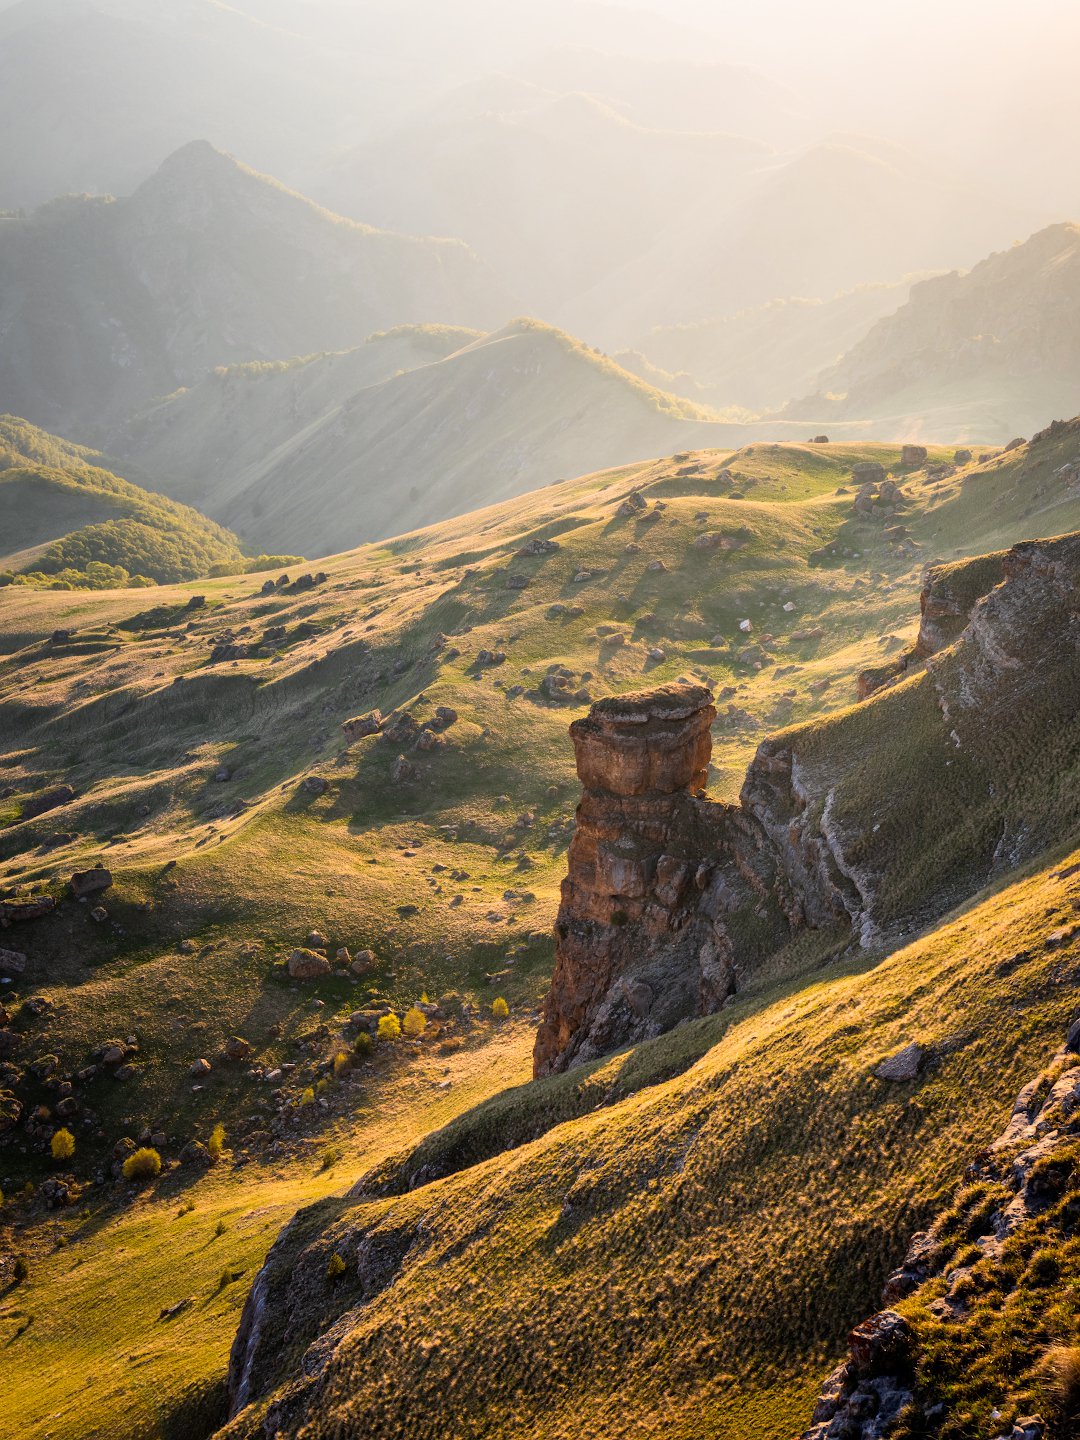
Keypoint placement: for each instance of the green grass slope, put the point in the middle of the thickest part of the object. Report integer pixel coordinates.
(66, 520)
(447, 870)
(684, 1260)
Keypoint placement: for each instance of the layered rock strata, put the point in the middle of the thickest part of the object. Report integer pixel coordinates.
(656, 874)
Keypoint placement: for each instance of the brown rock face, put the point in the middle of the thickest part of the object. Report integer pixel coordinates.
(654, 870)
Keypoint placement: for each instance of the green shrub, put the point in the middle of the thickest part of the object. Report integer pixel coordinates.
(336, 1267)
(144, 1164)
(500, 1009)
(363, 1045)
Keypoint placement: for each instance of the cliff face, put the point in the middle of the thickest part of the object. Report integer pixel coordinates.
(948, 597)
(877, 821)
(656, 875)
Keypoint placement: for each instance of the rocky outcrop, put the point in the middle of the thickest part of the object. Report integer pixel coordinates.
(1018, 1196)
(656, 871)
(948, 597)
(670, 898)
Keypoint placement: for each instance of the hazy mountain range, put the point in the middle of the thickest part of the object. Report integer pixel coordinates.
(106, 303)
(985, 354)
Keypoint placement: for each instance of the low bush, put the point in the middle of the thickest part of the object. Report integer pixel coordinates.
(62, 1145)
(144, 1164)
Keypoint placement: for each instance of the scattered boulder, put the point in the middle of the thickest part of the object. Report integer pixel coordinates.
(362, 962)
(904, 1065)
(28, 907)
(868, 472)
(308, 965)
(90, 882)
(913, 455)
(962, 457)
(445, 716)
(538, 547)
(361, 725)
(12, 962)
(196, 1155)
(313, 784)
(237, 1048)
(402, 771)
(200, 1067)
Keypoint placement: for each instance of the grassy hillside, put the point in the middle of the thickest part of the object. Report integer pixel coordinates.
(207, 263)
(349, 447)
(684, 1260)
(448, 871)
(69, 522)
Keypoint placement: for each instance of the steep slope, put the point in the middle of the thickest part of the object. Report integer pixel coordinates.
(200, 733)
(107, 303)
(984, 1335)
(990, 353)
(65, 517)
(707, 1239)
(760, 358)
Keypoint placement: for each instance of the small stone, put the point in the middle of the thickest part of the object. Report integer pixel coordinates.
(99, 913)
(200, 1067)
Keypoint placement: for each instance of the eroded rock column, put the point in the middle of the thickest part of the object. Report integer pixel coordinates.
(635, 950)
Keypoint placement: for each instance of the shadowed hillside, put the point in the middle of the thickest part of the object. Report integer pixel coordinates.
(107, 303)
